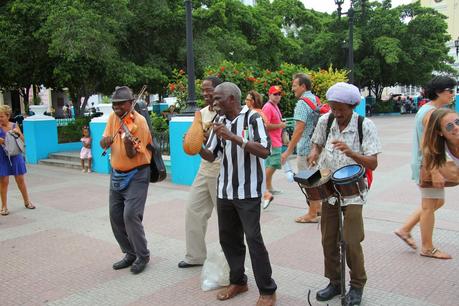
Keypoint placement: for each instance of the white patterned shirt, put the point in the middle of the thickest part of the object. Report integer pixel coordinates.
(304, 113)
(334, 159)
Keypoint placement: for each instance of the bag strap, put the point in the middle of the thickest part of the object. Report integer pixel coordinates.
(277, 109)
(360, 128)
(331, 117)
(310, 103)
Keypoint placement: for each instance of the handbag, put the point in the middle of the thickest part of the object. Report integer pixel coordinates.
(285, 137)
(449, 171)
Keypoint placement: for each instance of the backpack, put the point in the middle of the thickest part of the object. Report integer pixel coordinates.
(317, 111)
(13, 145)
(368, 172)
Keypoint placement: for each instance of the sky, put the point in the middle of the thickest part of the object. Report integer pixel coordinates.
(329, 5)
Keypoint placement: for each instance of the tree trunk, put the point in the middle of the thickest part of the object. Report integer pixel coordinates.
(24, 92)
(85, 102)
(76, 103)
(34, 93)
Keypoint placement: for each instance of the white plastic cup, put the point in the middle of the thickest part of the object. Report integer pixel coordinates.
(288, 172)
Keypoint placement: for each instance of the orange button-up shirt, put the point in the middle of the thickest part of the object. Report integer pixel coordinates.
(119, 159)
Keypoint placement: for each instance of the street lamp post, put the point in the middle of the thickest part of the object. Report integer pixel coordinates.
(456, 44)
(350, 53)
(191, 101)
(351, 14)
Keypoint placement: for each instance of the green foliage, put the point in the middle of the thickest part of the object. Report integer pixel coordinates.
(254, 78)
(385, 106)
(93, 46)
(72, 132)
(159, 123)
(106, 100)
(402, 45)
(36, 100)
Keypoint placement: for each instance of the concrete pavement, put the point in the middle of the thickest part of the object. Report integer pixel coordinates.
(62, 252)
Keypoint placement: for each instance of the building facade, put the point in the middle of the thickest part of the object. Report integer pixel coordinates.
(449, 8)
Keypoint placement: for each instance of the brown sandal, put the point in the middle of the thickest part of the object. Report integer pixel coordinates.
(231, 291)
(304, 219)
(435, 253)
(29, 205)
(407, 239)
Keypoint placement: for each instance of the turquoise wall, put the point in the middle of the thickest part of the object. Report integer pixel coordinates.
(361, 107)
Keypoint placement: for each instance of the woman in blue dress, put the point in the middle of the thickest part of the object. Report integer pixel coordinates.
(17, 165)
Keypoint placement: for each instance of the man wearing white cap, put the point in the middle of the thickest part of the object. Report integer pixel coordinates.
(337, 137)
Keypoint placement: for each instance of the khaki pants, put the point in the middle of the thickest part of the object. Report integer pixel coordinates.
(353, 236)
(203, 198)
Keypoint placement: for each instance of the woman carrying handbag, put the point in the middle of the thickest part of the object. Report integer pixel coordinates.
(440, 90)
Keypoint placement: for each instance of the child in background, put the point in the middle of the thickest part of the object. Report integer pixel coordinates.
(85, 152)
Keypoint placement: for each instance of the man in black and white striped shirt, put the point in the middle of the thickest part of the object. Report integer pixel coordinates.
(241, 141)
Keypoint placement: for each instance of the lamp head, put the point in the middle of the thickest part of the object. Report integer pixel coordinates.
(339, 2)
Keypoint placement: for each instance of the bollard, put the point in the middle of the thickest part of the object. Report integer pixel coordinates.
(40, 134)
(184, 167)
(100, 164)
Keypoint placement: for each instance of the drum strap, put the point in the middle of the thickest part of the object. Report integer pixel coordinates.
(331, 118)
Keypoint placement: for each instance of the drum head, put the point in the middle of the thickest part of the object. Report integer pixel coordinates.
(347, 174)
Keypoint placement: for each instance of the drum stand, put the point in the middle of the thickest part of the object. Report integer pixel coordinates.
(342, 247)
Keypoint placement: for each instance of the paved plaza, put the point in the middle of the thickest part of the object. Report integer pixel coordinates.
(62, 252)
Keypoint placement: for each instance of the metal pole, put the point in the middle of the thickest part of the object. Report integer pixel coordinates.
(350, 14)
(191, 101)
(342, 248)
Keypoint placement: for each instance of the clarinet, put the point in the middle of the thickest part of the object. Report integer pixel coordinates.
(217, 119)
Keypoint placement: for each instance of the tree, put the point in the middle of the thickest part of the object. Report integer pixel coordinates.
(24, 60)
(83, 44)
(402, 45)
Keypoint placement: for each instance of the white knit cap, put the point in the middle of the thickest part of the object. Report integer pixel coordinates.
(344, 93)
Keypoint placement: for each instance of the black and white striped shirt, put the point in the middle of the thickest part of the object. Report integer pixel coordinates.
(242, 175)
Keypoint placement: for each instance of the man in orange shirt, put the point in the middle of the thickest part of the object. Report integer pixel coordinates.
(129, 180)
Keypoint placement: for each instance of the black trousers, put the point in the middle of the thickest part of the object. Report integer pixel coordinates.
(236, 218)
(126, 215)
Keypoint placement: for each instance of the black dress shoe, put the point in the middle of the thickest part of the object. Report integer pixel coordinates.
(328, 292)
(354, 296)
(124, 263)
(184, 264)
(139, 264)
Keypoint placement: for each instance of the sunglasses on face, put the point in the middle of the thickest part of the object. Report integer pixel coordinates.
(449, 127)
(277, 94)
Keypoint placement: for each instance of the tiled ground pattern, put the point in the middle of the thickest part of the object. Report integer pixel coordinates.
(61, 253)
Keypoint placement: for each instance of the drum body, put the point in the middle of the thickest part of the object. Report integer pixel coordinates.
(349, 181)
(320, 190)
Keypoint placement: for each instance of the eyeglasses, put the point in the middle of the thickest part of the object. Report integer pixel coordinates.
(449, 127)
(451, 91)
